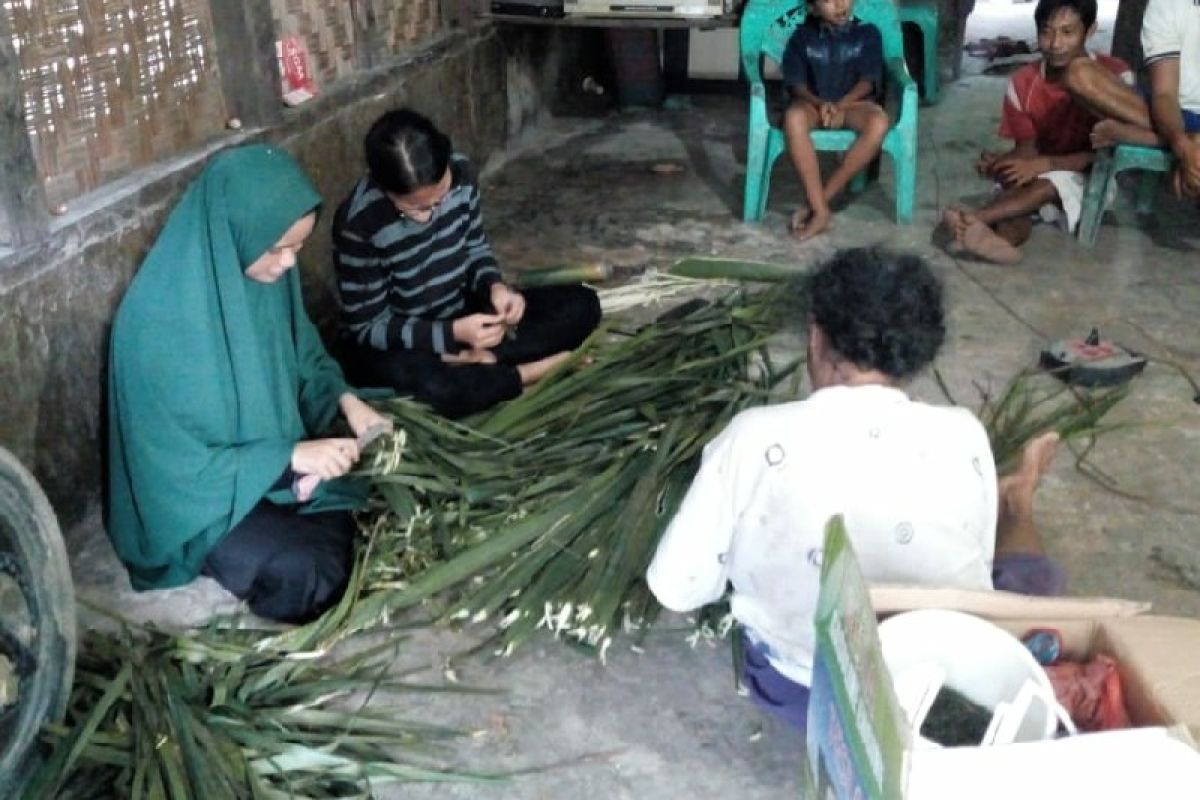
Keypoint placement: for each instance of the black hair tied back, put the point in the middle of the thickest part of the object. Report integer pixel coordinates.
(405, 151)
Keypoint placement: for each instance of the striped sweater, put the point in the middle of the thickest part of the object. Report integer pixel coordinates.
(403, 283)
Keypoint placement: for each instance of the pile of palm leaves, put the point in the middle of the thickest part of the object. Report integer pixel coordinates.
(546, 512)
(543, 513)
(204, 715)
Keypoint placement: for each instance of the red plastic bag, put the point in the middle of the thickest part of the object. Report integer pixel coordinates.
(1091, 693)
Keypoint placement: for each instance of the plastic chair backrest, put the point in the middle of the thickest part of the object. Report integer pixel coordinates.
(767, 25)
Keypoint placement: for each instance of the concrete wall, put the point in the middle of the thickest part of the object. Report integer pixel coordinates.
(58, 295)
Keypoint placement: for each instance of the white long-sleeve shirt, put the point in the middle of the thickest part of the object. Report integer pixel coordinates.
(916, 484)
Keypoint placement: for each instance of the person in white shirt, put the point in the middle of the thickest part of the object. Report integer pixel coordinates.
(916, 483)
(1164, 113)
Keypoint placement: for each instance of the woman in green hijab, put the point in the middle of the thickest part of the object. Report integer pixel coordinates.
(218, 384)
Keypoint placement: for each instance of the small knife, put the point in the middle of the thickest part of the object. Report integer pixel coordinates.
(371, 434)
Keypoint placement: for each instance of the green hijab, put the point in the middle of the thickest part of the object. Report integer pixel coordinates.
(213, 377)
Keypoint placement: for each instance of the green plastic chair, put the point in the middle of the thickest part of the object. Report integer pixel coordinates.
(765, 29)
(924, 14)
(1108, 163)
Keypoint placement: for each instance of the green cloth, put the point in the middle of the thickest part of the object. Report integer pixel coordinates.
(213, 377)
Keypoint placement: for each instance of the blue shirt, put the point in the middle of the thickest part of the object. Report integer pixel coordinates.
(828, 60)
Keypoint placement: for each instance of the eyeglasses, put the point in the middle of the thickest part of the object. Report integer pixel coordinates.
(422, 214)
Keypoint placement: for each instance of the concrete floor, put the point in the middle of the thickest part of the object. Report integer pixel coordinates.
(666, 723)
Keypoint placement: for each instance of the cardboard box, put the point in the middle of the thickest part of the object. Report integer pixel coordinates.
(859, 745)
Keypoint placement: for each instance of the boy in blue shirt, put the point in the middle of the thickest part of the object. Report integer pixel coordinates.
(833, 73)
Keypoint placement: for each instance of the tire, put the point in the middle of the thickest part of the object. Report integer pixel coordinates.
(32, 555)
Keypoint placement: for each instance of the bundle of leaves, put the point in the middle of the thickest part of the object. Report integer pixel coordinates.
(205, 714)
(545, 512)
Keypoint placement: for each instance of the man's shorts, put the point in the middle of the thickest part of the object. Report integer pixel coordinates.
(1070, 187)
(1191, 119)
(1028, 573)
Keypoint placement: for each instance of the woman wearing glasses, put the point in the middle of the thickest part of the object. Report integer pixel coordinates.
(424, 310)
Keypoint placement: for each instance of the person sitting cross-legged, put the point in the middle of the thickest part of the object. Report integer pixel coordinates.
(424, 308)
(1046, 169)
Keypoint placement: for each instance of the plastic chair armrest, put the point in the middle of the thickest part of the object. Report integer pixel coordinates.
(758, 102)
(903, 83)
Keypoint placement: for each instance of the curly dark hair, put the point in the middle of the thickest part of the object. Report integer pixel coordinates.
(879, 309)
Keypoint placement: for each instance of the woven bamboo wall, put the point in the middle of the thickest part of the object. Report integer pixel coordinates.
(406, 22)
(111, 85)
(327, 27)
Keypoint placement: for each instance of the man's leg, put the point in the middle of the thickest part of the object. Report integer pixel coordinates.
(798, 121)
(870, 122)
(1125, 116)
(995, 231)
(1101, 92)
(1021, 564)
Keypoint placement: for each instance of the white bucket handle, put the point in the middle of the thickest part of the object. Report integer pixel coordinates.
(1008, 716)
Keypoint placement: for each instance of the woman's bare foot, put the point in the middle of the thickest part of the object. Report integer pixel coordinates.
(817, 222)
(984, 242)
(1110, 132)
(534, 371)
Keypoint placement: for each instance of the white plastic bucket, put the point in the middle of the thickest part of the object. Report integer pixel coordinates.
(981, 660)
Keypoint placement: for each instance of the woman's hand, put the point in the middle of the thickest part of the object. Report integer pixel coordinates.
(360, 416)
(479, 331)
(325, 458)
(508, 303)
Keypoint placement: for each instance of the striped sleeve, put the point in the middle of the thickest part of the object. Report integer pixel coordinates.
(482, 270)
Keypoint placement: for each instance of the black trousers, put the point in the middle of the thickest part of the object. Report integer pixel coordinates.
(556, 318)
(288, 566)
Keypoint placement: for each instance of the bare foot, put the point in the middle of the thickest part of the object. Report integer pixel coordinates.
(955, 221)
(799, 218)
(1036, 459)
(1015, 529)
(988, 245)
(1109, 132)
(817, 222)
(534, 371)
